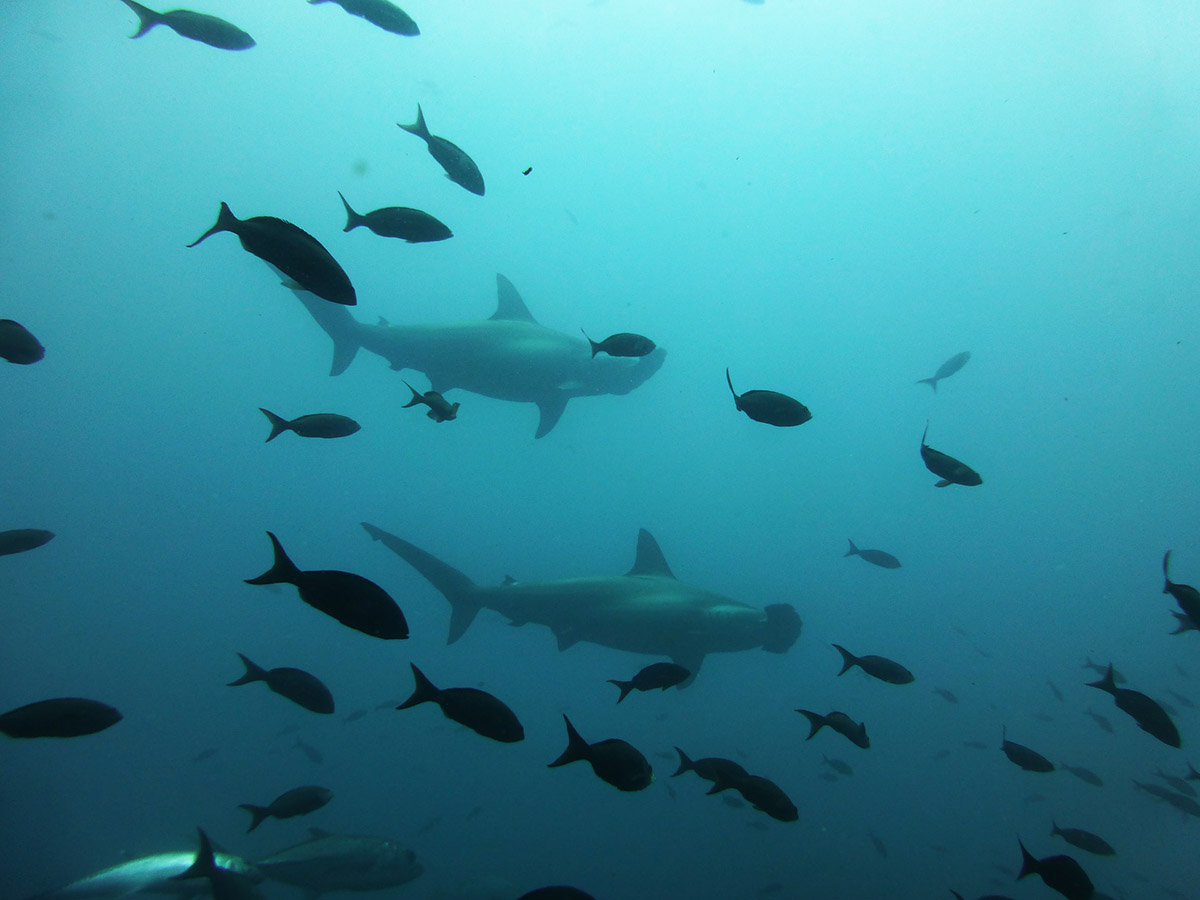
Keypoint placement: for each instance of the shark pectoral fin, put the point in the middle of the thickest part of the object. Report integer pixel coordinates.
(551, 410)
(461, 617)
(567, 637)
(691, 662)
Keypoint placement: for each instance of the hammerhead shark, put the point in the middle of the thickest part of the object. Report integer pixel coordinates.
(508, 357)
(647, 610)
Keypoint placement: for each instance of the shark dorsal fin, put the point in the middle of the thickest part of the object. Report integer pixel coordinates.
(650, 559)
(509, 305)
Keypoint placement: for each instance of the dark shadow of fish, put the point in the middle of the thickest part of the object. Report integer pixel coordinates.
(946, 369)
(380, 13)
(769, 407)
(460, 168)
(195, 26)
(949, 469)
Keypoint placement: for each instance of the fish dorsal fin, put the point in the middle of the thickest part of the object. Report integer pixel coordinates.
(509, 305)
(650, 559)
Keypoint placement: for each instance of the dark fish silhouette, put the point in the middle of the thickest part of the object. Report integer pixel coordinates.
(656, 676)
(874, 557)
(314, 425)
(946, 695)
(1185, 595)
(1019, 754)
(855, 732)
(769, 407)
(314, 755)
(1100, 670)
(20, 540)
(557, 892)
(613, 760)
(949, 469)
(1148, 714)
(206, 753)
(296, 685)
(1084, 840)
(622, 344)
(1176, 783)
(379, 13)
(401, 222)
(723, 773)
(460, 168)
(289, 249)
(1182, 803)
(18, 345)
(192, 25)
(296, 802)
(351, 599)
(766, 796)
(225, 881)
(439, 409)
(837, 765)
(946, 369)
(876, 666)
(61, 717)
(1083, 774)
(1192, 774)
(478, 710)
(1061, 873)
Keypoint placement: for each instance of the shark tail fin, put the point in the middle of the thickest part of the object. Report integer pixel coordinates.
(282, 571)
(456, 587)
(147, 18)
(849, 660)
(424, 692)
(254, 672)
(625, 686)
(337, 322)
(577, 747)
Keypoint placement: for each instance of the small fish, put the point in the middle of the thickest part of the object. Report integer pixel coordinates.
(876, 666)
(1084, 774)
(314, 755)
(613, 760)
(622, 344)
(527, 171)
(946, 695)
(656, 676)
(1181, 698)
(1185, 595)
(828, 776)
(411, 225)
(314, 425)
(460, 168)
(351, 599)
(1100, 720)
(557, 892)
(380, 13)
(1178, 784)
(296, 685)
(478, 710)
(62, 717)
(769, 407)
(855, 732)
(1061, 873)
(1148, 714)
(296, 802)
(949, 469)
(723, 773)
(192, 25)
(1084, 840)
(878, 844)
(733, 802)
(875, 557)
(20, 540)
(1182, 803)
(1100, 670)
(837, 765)
(946, 369)
(766, 796)
(18, 345)
(289, 249)
(355, 715)
(439, 409)
(1019, 754)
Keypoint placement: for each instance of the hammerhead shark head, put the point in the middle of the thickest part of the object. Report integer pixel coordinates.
(508, 357)
(646, 610)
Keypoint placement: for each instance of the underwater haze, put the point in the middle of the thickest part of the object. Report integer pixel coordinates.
(829, 200)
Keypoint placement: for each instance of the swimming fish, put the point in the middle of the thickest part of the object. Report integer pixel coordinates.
(1029, 760)
(1062, 873)
(439, 409)
(855, 732)
(1084, 840)
(296, 685)
(656, 676)
(1148, 714)
(21, 540)
(296, 802)
(613, 760)
(876, 666)
(946, 369)
(61, 717)
(18, 345)
(949, 469)
(192, 25)
(380, 13)
(460, 168)
(314, 425)
(289, 249)
(769, 407)
(622, 344)
(478, 710)
(1185, 595)
(874, 557)
(411, 225)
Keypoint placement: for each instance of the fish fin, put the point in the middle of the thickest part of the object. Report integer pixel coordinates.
(424, 691)
(278, 424)
(254, 672)
(577, 747)
(925, 434)
(685, 764)
(932, 382)
(226, 220)
(1107, 683)
(1029, 864)
(550, 411)
(147, 18)
(943, 483)
(282, 571)
(649, 559)
(353, 219)
(853, 551)
(337, 322)
(258, 814)
(595, 346)
(417, 397)
(508, 579)
(624, 686)
(509, 305)
(418, 127)
(816, 722)
(204, 865)
(457, 588)
(849, 660)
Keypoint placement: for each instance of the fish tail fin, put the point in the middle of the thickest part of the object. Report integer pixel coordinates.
(577, 747)
(816, 722)
(456, 587)
(278, 424)
(685, 764)
(729, 381)
(849, 660)
(956, 894)
(416, 397)
(418, 127)
(353, 219)
(1166, 577)
(853, 551)
(1054, 829)
(1029, 864)
(932, 382)
(226, 221)
(254, 672)
(595, 346)
(205, 863)
(423, 692)
(147, 18)
(625, 686)
(259, 814)
(1107, 683)
(282, 571)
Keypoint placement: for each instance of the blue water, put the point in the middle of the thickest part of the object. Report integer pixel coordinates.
(829, 199)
